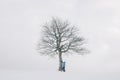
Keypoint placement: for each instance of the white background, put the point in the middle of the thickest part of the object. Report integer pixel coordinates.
(20, 25)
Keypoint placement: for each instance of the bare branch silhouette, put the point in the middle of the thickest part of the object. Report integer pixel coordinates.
(60, 37)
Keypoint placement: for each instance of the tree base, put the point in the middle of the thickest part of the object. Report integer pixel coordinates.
(60, 69)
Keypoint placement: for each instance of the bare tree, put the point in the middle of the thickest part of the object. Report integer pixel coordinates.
(59, 38)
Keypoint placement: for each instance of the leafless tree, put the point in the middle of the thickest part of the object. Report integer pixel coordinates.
(59, 38)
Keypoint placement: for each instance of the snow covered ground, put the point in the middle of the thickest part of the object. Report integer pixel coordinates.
(55, 75)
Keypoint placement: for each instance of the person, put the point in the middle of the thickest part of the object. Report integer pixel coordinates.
(63, 66)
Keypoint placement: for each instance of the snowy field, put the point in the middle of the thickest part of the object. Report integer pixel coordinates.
(55, 75)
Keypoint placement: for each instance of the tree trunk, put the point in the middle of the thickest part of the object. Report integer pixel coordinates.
(60, 61)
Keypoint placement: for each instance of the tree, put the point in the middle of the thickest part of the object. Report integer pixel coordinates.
(59, 38)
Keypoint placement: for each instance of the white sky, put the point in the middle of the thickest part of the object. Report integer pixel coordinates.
(99, 23)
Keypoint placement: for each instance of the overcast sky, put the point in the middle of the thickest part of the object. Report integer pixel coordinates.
(98, 21)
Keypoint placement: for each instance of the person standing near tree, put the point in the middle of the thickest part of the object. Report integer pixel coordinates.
(63, 66)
